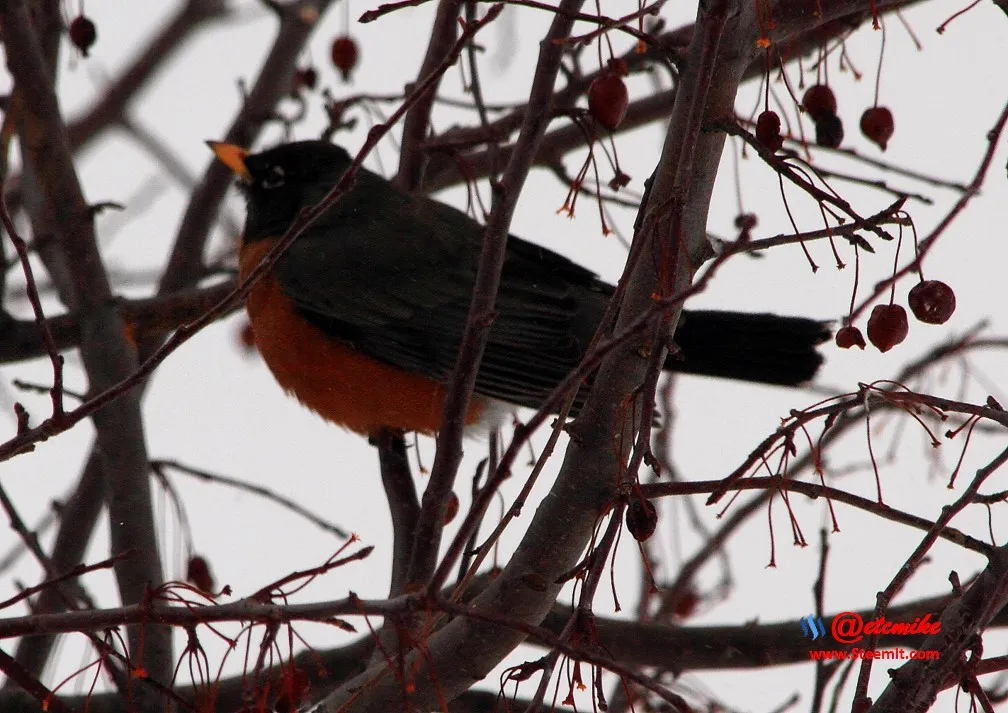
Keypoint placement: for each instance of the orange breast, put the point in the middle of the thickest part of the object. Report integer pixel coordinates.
(341, 385)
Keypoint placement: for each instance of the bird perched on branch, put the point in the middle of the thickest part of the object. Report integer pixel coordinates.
(362, 316)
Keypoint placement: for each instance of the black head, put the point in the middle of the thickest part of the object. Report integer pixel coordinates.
(281, 181)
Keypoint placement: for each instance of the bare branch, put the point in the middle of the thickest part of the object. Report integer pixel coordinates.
(107, 355)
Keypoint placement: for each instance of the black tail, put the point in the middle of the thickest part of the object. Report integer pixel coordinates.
(764, 348)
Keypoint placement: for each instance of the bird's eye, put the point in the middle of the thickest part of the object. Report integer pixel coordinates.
(274, 179)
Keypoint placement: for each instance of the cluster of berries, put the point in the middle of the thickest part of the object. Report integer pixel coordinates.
(820, 104)
(931, 301)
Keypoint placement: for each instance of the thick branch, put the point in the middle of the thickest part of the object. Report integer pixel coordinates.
(466, 649)
(404, 506)
(108, 356)
(417, 121)
(186, 264)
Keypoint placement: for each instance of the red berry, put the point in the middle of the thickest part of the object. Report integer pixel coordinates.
(932, 301)
(82, 33)
(819, 102)
(877, 125)
(768, 130)
(198, 574)
(452, 509)
(246, 338)
(608, 100)
(344, 55)
(306, 77)
(849, 336)
(619, 180)
(887, 326)
(746, 221)
(829, 131)
(686, 605)
(641, 519)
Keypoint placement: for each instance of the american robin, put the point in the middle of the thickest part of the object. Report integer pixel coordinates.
(362, 316)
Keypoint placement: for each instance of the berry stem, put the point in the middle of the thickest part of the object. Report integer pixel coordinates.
(878, 72)
(766, 86)
(857, 275)
(917, 258)
(892, 287)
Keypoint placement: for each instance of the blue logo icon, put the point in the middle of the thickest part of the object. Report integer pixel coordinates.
(813, 626)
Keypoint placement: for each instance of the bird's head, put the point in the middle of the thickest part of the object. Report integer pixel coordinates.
(279, 182)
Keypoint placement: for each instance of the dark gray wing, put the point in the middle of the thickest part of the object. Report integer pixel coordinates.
(391, 274)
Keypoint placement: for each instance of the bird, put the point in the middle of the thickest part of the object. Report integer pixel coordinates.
(362, 316)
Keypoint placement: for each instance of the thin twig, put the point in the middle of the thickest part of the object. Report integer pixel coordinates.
(814, 491)
(158, 465)
(55, 358)
(925, 245)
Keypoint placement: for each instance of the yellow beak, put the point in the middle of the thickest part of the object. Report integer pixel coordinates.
(233, 157)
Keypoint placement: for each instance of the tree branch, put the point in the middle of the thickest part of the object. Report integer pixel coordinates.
(108, 357)
(416, 123)
(480, 315)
